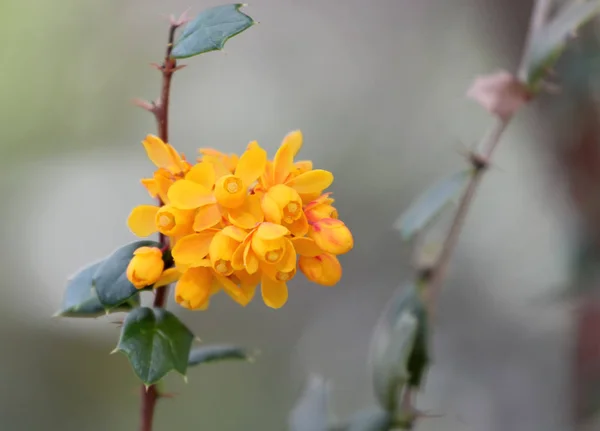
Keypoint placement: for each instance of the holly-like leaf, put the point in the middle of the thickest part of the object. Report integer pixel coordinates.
(110, 279)
(372, 419)
(155, 342)
(550, 41)
(80, 299)
(431, 203)
(311, 412)
(399, 353)
(214, 353)
(210, 30)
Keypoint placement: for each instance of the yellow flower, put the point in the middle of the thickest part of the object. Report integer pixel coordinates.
(146, 267)
(144, 220)
(331, 235)
(222, 247)
(164, 156)
(225, 163)
(283, 205)
(324, 269)
(321, 208)
(301, 177)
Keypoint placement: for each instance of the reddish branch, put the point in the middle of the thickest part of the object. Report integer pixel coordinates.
(160, 109)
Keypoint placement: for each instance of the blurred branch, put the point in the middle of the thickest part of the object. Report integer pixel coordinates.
(480, 160)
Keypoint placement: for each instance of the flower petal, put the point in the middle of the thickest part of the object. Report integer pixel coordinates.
(288, 262)
(248, 215)
(311, 182)
(270, 209)
(141, 220)
(187, 195)
(283, 163)
(170, 275)
(306, 247)
(233, 290)
(157, 151)
(269, 231)
(250, 260)
(324, 269)
(332, 236)
(251, 164)
(274, 293)
(193, 288)
(235, 233)
(298, 227)
(237, 260)
(192, 249)
(202, 173)
(207, 217)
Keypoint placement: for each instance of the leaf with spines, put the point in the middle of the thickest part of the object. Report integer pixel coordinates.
(371, 419)
(550, 41)
(210, 30)
(155, 342)
(431, 203)
(311, 412)
(80, 299)
(399, 351)
(217, 353)
(110, 279)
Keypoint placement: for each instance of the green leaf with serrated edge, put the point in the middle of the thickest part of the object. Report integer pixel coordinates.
(431, 203)
(398, 353)
(80, 300)
(210, 30)
(371, 419)
(214, 353)
(550, 41)
(110, 280)
(311, 412)
(155, 342)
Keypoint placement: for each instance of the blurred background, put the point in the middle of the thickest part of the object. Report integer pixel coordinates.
(377, 87)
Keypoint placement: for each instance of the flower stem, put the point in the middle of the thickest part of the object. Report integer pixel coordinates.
(160, 109)
(480, 160)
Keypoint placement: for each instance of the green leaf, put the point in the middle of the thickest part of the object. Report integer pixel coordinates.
(80, 300)
(431, 203)
(214, 353)
(550, 41)
(155, 342)
(372, 419)
(210, 30)
(311, 412)
(399, 353)
(110, 280)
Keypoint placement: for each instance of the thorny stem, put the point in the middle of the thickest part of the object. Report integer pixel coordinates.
(480, 161)
(160, 109)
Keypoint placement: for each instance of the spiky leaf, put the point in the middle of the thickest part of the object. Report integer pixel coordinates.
(80, 299)
(311, 412)
(550, 41)
(210, 30)
(398, 354)
(110, 279)
(216, 353)
(155, 342)
(431, 203)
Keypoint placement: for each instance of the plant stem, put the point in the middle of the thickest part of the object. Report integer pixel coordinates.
(480, 160)
(160, 109)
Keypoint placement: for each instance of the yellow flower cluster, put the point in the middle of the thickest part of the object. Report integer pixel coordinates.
(238, 222)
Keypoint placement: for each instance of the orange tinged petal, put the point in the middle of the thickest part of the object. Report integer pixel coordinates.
(230, 191)
(141, 220)
(306, 247)
(202, 173)
(232, 289)
(270, 231)
(192, 249)
(298, 227)
(171, 221)
(274, 293)
(221, 252)
(332, 236)
(194, 287)
(151, 186)
(312, 181)
(324, 269)
(250, 260)
(235, 233)
(283, 162)
(207, 217)
(187, 195)
(288, 262)
(251, 164)
(163, 183)
(157, 151)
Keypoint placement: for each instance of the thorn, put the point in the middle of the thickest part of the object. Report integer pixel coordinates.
(115, 350)
(145, 105)
(183, 19)
(178, 67)
(157, 66)
(197, 339)
(185, 379)
(147, 387)
(57, 314)
(167, 395)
